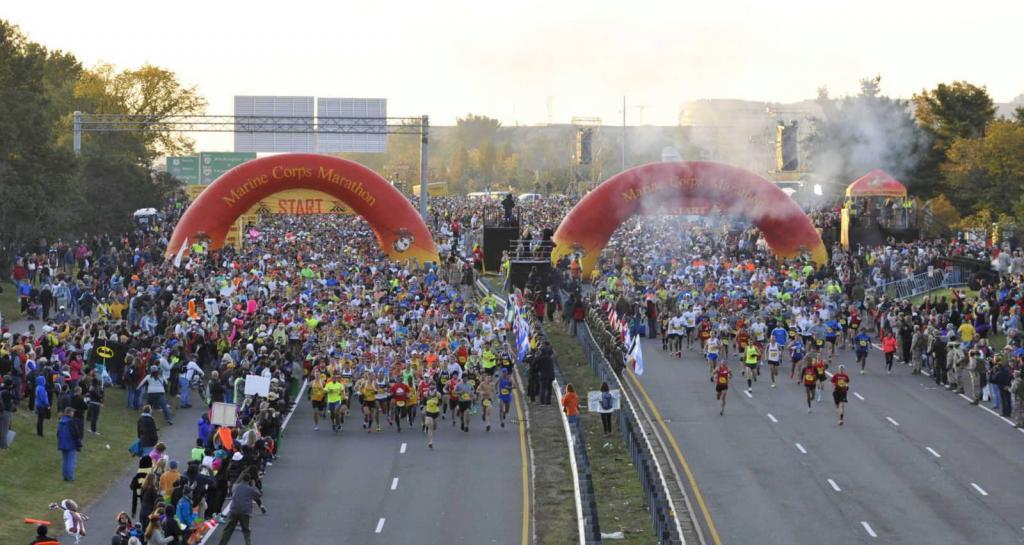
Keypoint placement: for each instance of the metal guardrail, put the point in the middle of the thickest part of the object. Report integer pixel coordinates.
(922, 283)
(582, 479)
(665, 514)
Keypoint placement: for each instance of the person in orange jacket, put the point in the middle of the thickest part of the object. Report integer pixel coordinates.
(888, 348)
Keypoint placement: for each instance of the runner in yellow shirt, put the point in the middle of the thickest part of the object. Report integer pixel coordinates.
(317, 398)
(335, 391)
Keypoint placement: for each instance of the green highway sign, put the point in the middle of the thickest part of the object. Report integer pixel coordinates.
(185, 169)
(213, 164)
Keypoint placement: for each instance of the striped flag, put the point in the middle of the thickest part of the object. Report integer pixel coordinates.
(636, 356)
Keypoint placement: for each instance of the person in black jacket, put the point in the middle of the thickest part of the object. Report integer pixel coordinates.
(545, 363)
(146, 430)
(1000, 376)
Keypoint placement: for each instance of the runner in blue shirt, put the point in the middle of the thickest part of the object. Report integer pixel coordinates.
(796, 353)
(861, 344)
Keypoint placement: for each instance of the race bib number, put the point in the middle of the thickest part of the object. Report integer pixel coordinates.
(505, 391)
(487, 403)
(465, 397)
(400, 403)
(723, 379)
(841, 384)
(810, 377)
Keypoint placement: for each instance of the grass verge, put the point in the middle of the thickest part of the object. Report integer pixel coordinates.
(620, 500)
(554, 509)
(9, 307)
(30, 475)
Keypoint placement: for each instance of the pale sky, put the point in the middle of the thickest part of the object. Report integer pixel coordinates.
(506, 58)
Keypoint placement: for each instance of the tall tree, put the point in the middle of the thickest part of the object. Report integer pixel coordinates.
(987, 172)
(950, 111)
(150, 91)
(474, 131)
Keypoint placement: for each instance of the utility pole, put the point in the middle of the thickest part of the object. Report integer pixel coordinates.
(623, 132)
(424, 138)
(77, 128)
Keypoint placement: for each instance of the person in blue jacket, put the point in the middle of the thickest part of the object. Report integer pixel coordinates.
(69, 442)
(42, 404)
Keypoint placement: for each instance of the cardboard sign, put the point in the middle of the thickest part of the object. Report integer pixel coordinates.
(594, 401)
(224, 414)
(256, 385)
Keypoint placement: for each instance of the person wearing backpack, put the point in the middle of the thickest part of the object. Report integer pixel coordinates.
(607, 402)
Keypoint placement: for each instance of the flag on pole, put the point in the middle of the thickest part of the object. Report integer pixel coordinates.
(636, 357)
(522, 343)
(181, 252)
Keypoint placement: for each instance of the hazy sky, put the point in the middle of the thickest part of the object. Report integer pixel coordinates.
(510, 59)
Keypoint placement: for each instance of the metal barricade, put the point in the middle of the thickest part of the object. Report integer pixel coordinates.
(652, 478)
(922, 283)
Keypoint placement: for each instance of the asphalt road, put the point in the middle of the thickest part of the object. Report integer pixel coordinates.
(913, 463)
(342, 488)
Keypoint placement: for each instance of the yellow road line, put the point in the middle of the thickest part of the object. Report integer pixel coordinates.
(526, 475)
(682, 459)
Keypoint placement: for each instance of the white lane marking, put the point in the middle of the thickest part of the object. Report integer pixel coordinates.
(801, 448)
(867, 528)
(402, 450)
(1003, 418)
(926, 372)
(748, 394)
(893, 422)
(1007, 420)
(829, 374)
(858, 396)
(878, 346)
(834, 485)
(394, 483)
(931, 450)
(979, 489)
(989, 410)
(380, 525)
(965, 397)
(772, 418)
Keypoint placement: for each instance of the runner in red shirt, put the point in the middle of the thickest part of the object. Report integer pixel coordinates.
(810, 380)
(840, 385)
(819, 370)
(722, 376)
(400, 399)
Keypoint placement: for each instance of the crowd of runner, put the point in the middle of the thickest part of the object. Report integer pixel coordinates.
(387, 346)
(383, 346)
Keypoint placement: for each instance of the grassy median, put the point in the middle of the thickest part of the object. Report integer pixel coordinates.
(9, 307)
(30, 475)
(554, 507)
(620, 500)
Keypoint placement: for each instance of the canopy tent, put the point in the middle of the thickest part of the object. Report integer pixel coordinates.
(876, 183)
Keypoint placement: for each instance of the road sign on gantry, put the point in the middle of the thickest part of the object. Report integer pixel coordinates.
(213, 164)
(185, 169)
(351, 125)
(274, 124)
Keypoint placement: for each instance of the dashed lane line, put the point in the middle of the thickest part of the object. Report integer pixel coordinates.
(893, 422)
(772, 418)
(979, 489)
(868, 529)
(394, 483)
(380, 525)
(933, 453)
(834, 485)
(801, 448)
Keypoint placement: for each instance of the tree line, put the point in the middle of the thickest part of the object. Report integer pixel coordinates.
(48, 190)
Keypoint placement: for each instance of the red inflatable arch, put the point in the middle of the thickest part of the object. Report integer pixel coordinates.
(686, 187)
(400, 230)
